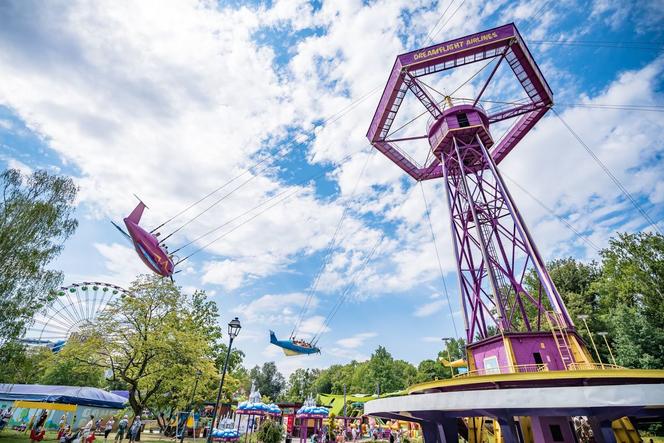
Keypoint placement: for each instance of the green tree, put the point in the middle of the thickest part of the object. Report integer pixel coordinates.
(631, 299)
(20, 364)
(154, 341)
(36, 217)
(301, 384)
(384, 373)
(68, 367)
(268, 379)
(430, 370)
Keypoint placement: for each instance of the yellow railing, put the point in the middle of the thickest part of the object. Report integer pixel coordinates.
(591, 366)
(504, 370)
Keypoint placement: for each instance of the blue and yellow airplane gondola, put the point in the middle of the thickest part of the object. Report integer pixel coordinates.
(291, 347)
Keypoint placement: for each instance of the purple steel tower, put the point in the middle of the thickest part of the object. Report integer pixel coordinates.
(507, 325)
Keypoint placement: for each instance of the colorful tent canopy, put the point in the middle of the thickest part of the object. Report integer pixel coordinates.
(76, 395)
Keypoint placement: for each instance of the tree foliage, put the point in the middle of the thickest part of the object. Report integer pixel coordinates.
(154, 340)
(301, 384)
(36, 217)
(268, 380)
(66, 367)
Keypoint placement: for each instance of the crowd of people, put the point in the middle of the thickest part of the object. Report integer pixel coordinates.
(66, 434)
(355, 434)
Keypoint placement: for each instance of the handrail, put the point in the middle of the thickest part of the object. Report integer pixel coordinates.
(505, 370)
(591, 366)
(512, 369)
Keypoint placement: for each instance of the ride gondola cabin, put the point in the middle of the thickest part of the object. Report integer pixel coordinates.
(294, 347)
(154, 255)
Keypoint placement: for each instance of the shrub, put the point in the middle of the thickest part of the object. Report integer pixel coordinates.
(270, 432)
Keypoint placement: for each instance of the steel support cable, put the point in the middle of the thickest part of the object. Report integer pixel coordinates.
(462, 84)
(280, 154)
(328, 253)
(537, 13)
(344, 295)
(608, 106)
(293, 192)
(428, 36)
(552, 212)
(448, 20)
(329, 120)
(348, 108)
(440, 264)
(312, 177)
(601, 44)
(608, 172)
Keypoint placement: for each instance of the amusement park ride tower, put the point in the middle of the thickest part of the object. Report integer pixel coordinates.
(520, 336)
(506, 323)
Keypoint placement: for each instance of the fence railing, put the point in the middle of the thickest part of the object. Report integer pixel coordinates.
(591, 366)
(505, 370)
(535, 368)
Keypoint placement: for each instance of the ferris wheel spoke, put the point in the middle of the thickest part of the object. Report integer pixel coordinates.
(77, 306)
(95, 306)
(71, 321)
(69, 318)
(54, 324)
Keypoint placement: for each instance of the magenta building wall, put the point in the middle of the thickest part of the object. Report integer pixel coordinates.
(524, 347)
(493, 348)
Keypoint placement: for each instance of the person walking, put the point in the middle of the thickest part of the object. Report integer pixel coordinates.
(108, 428)
(122, 428)
(135, 429)
(89, 427)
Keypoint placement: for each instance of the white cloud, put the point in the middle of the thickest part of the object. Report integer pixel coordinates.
(12, 163)
(121, 263)
(356, 340)
(428, 309)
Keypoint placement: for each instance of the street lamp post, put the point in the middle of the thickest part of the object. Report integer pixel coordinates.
(583, 318)
(446, 340)
(603, 335)
(191, 403)
(233, 330)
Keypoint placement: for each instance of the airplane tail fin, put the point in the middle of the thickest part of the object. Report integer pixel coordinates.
(273, 337)
(136, 214)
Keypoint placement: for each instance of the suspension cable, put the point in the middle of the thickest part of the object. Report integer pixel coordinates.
(283, 151)
(330, 247)
(440, 264)
(609, 174)
(568, 225)
(353, 281)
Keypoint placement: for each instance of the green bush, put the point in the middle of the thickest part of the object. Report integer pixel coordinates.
(270, 432)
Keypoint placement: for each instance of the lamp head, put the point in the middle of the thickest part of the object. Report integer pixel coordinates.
(234, 327)
(603, 333)
(583, 317)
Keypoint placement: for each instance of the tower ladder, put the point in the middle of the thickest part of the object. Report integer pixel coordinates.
(560, 337)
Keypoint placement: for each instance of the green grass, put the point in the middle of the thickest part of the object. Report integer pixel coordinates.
(9, 436)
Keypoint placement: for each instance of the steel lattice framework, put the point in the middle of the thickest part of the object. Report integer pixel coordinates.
(493, 248)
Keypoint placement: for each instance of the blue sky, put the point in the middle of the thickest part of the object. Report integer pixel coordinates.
(171, 100)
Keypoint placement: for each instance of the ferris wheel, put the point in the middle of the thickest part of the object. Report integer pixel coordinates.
(68, 309)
